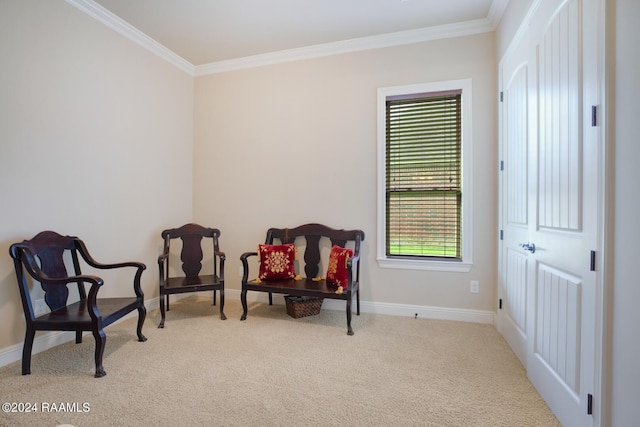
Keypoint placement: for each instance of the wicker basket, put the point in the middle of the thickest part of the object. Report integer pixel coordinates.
(302, 306)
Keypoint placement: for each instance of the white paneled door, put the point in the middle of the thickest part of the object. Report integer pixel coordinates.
(514, 185)
(549, 204)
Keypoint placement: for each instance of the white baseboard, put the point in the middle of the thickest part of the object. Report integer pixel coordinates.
(422, 311)
(45, 341)
(42, 342)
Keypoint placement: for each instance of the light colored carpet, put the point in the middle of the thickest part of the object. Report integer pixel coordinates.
(272, 370)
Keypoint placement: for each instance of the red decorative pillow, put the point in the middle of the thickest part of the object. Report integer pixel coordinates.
(277, 261)
(337, 270)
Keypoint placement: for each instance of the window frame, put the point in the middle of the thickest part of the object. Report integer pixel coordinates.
(418, 263)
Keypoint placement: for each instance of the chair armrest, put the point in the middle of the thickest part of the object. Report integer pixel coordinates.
(92, 296)
(140, 267)
(93, 263)
(95, 281)
(96, 264)
(245, 265)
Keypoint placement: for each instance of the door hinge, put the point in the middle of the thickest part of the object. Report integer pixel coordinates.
(592, 261)
(589, 404)
(501, 234)
(501, 165)
(501, 96)
(594, 115)
(500, 303)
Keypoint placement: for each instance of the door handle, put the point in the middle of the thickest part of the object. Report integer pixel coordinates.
(531, 247)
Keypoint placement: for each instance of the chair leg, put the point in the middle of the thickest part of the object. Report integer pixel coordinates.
(26, 350)
(167, 297)
(78, 337)
(243, 299)
(214, 296)
(142, 314)
(349, 329)
(161, 325)
(101, 340)
(222, 316)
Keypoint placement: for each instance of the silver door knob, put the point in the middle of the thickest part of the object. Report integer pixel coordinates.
(531, 247)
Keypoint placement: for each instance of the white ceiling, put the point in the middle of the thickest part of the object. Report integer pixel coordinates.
(209, 31)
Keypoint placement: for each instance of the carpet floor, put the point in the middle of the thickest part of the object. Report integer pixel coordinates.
(273, 370)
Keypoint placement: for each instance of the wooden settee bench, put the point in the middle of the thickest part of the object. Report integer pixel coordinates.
(312, 237)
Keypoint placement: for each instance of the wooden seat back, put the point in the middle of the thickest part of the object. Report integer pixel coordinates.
(313, 234)
(191, 254)
(44, 255)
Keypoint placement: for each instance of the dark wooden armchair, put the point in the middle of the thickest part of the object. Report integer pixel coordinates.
(43, 259)
(191, 257)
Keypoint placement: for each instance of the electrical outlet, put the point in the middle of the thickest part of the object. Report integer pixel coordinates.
(240, 271)
(40, 307)
(475, 286)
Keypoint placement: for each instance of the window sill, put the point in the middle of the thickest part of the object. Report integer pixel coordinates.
(410, 264)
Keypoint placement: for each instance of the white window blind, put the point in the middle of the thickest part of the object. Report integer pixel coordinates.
(423, 175)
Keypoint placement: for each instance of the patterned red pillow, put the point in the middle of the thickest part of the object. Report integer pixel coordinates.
(277, 261)
(337, 270)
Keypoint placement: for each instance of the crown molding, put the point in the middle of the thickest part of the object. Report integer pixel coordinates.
(112, 21)
(347, 46)
(496, 11)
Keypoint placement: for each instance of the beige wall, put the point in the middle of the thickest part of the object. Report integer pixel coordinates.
(96, 139)
(292, 143)
(624, 290)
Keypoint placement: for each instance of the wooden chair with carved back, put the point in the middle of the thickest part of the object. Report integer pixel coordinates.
(44, 259)
(191, 256)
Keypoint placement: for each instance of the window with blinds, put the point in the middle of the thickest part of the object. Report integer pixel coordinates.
(423, 175)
